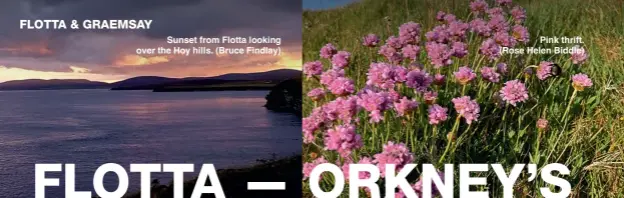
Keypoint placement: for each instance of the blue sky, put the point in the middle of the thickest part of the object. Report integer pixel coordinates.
(324, 4)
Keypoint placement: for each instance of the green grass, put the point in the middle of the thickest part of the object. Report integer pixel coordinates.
(588, 139)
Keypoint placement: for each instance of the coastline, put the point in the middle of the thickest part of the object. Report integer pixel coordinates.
(282, 98)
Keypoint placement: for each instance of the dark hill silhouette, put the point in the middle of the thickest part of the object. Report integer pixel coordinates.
(280, 74)
(207, 83)
(39, 84)
(142, 82)
(234, 81)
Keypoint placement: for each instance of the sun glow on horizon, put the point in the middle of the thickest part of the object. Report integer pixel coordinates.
(290, 62)
(137, 60)
(14, 73)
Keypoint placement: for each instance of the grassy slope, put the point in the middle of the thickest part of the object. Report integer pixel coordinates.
(595, 139)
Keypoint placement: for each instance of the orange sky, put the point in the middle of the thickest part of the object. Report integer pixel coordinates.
(111, 54)
(37, 61)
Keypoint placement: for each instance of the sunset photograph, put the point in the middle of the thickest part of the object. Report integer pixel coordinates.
(92, 95)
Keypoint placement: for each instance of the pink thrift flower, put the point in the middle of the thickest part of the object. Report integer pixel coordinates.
(439, 53)
(341, 108)
(418, 80)
(464, 75)
(342, 86)
(316, 94)
(409, 33)
(519, 14)
(457, 29)
(370, 40)
(400, 73)
(382, 75)
(498, 23)
(459, 49)
(503, 2)
(328, 51)
(581, 81)
(438, 34)
(430, 97)
(313, 68)
(330, 75)
(439, 79)
(478, 6)
(496, 11)
(341, 59)
(397, 154)
(309, 166)
(542, 123)
(579, 55)
(361, 175)
(393, 96)
(480, 27)
(416, 65)
(394, 42)
(405, 106)
(501, 68)
(386, 50)
(467, 108)
(365, 160)
(375, 103)
(440, 16)
(343, 139)
(544, 70)
(489, 74)
(513, 92)
(437, 114)
(390, 53)
(504, 39)
(312, 123)
(309, 127)
(520, 33)
(449, 18)
(410, 51)
(490, 49)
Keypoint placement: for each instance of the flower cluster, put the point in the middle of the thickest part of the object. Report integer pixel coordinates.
(544, 70)
(370, 40)
(581, 81)
(490, 74)
(467, 108)
(343, 139)
(406, 98)
(464, 75)
(393, 153)
(514, 92)
(578, 56)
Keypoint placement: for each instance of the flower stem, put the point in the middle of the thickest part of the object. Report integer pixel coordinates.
(450, 139)
(463, 89)
(434, 139)
(569, 105)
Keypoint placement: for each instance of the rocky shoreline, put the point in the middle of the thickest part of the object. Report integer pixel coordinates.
(285, 97)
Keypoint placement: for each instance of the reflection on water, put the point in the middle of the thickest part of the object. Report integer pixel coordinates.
(93, 127)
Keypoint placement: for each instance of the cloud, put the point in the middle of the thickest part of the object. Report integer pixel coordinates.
(75, 69)
(113, 52)
(136, 60)
(13, 73)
